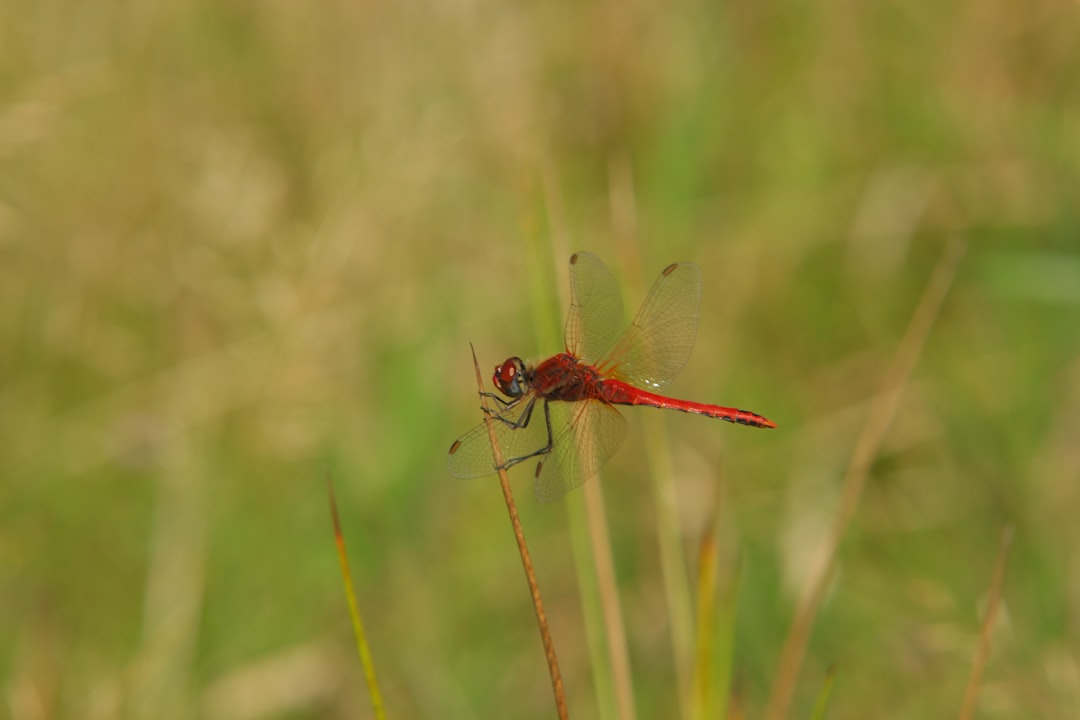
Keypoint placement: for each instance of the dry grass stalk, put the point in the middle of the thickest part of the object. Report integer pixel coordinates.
(669, 533)
(526, 561)
(882, 412)
(609, 599)
(614, 683)
(971, 693)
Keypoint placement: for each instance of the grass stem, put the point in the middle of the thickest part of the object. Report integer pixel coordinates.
(878, 421)
(354, 611)
(971, 693)
(523, 550)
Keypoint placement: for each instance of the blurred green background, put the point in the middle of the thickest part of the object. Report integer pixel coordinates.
(244, 246)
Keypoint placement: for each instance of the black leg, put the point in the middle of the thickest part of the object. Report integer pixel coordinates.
(503, 403)
(524, 421)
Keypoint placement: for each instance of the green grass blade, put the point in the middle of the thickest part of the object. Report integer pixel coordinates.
(354, 612)
(714, 633)
(822, 702)
(702, 701)
(724, 657)
(591, 607)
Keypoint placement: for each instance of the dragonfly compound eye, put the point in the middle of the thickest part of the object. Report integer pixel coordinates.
(510, 378)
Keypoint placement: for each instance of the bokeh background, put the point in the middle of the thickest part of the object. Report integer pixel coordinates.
(244, 247)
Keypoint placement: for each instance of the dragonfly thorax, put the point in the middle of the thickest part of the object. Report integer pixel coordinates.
(512, 377)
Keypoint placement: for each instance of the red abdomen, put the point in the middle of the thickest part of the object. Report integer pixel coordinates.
(618, 392)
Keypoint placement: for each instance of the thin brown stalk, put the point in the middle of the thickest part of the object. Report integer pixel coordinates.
(609, 599)
(590, 538)
(673, 561)
(971, 693)
(526, 560)
(880, 417)
(702, 705)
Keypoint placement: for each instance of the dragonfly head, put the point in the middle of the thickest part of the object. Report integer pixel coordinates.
(510, 377)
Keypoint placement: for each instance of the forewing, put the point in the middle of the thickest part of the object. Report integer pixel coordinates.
(658, 343)
(586, 434)
(596, 312)
(471, 456)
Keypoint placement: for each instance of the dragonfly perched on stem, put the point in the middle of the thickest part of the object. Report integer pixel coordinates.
(561, 412)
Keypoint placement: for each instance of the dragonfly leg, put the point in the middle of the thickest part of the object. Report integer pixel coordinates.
(503, 403)
(523, 421)
(550, 443)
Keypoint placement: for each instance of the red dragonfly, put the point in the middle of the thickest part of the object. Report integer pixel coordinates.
(561, 413)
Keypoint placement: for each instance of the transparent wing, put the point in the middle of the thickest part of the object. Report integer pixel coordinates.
(587, 433)
(584, 435)
(596, 311)
(519, 434)
(656, 346)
